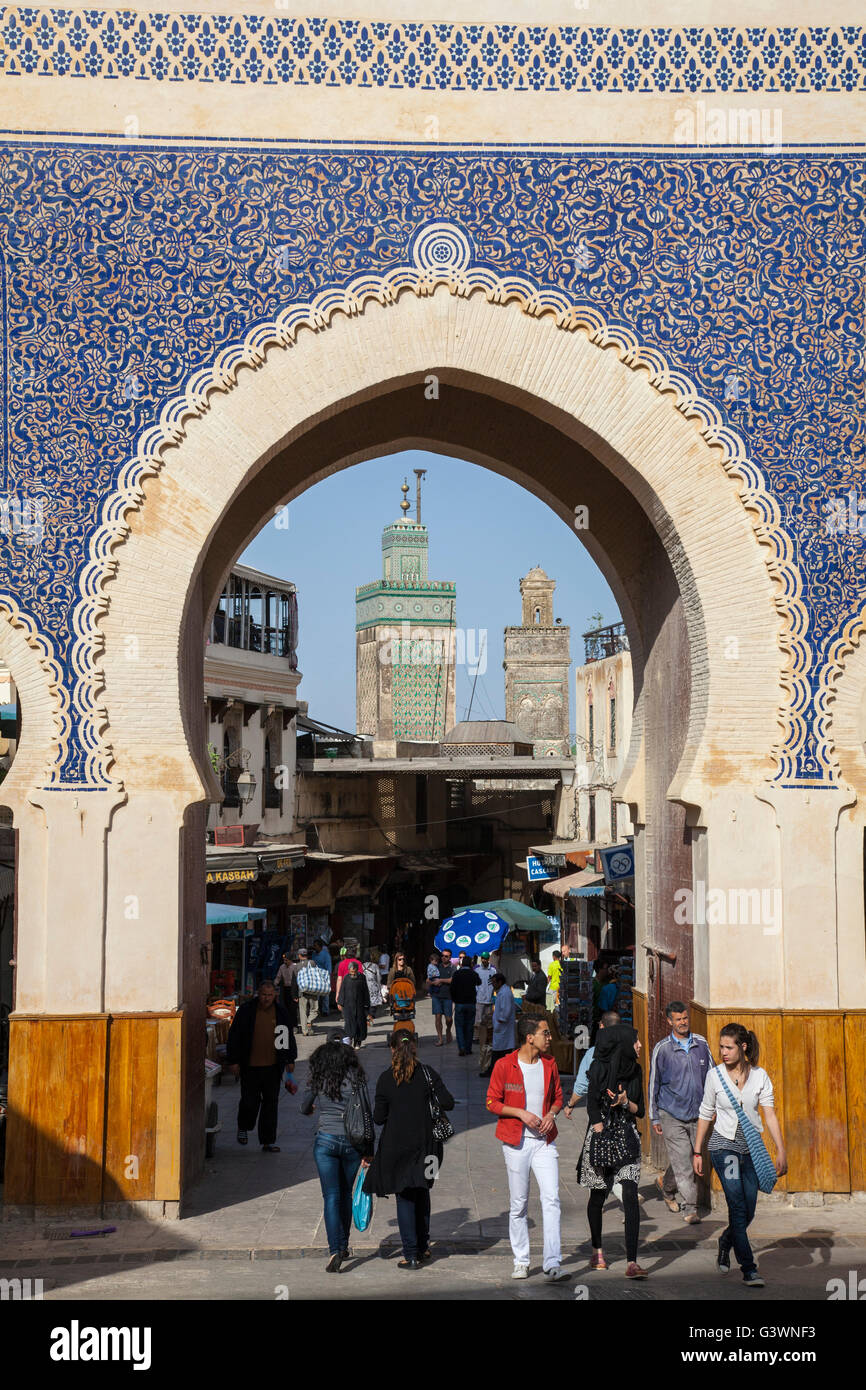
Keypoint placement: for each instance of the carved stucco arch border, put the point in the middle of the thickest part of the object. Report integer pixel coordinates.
(349, 301)
(38, 677)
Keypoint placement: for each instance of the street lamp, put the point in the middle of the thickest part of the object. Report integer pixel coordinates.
(246, 785)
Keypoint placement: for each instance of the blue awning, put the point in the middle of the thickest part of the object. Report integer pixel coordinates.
(218, 913)
(595, 890)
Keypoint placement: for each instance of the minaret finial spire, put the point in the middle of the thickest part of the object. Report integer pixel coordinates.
(419, 474)
(404, 505)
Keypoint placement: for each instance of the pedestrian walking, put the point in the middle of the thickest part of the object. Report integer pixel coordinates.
(354, 1004)
(484, 993)
(333, 1075)
(322, 958)
(384, 964)
(409, 1100)
(554, 975)
(400, 970)
(581, 1086)
(734, 1091)
(287, 988)
(439, 976)
(260, 1045)
(308, 984)
(536, 990)
(614, 1102)
(464, 985)
(678, 1075)
(374, 984)
(504, 1015)
(525, 1092)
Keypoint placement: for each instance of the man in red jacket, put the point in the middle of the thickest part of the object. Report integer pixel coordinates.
(526, 1094)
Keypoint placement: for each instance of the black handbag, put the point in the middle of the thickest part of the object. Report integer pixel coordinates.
(442, 1128)
(358, 1118)
(615, 1145)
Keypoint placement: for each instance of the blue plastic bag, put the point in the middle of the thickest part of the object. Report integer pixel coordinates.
(362, 1204)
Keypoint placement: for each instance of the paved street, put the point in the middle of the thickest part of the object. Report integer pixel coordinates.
(254, 1227)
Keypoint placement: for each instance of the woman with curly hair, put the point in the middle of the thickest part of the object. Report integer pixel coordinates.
(409, 1155)
(334, 1069)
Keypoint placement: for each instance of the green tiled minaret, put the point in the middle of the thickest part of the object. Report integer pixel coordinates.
(405, 635)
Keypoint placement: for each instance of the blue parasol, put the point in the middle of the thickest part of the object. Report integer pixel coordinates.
(472, 931)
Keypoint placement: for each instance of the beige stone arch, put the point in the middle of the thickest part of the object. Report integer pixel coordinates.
(634, 430)
(39, 682)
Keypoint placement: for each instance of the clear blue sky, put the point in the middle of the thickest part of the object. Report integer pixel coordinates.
(485, 533)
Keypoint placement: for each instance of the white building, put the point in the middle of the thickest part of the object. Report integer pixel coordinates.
(603, 710)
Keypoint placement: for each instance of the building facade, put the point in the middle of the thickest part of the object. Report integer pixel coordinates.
(405, 628)
(537, 661)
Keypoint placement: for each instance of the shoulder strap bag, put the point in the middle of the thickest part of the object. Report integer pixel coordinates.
(767, 1175)
(358, 1117)
(442, 1128)
(617, 1144)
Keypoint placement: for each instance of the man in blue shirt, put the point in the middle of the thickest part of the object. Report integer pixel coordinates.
(322, 957)
(678, 1071)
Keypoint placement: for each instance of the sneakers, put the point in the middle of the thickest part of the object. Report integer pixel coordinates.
(520, 1271)
(723, 1259)
(754, 1280)
(333, 1265)
(555, 1274)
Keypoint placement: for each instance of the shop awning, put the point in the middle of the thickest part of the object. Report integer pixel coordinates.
(595, 890)
(518, 915)
(223, 913)
(572, 883)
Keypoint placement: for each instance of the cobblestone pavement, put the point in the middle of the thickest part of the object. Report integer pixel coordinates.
(253, 1227)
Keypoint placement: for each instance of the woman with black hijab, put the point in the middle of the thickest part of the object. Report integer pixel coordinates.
(611, 1150)
(354, 1005)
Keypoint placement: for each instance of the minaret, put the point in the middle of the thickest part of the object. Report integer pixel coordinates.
(404, 642)
(537, 659)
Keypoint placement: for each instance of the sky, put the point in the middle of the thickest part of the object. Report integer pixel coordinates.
(485, 532)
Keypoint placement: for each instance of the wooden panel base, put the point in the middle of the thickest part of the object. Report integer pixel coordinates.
(815, 1059)
(95, 1110)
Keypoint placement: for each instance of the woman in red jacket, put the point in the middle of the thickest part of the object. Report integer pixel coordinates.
(526, 1094)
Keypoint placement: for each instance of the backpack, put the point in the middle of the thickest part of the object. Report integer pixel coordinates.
(312, 979)
(358, 1117)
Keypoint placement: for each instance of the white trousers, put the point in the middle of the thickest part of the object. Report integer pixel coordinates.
(533, 1155)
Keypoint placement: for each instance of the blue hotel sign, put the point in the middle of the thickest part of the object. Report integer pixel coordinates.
(617, 862)
(536, 869)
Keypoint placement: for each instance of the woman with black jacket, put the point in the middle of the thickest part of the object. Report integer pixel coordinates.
(408, 1158)
(614, 1102)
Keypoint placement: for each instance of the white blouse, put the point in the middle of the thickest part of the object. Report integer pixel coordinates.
(758, 1090)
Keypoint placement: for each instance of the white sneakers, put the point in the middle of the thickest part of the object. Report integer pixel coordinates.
(554, 1275)
(520, 1271)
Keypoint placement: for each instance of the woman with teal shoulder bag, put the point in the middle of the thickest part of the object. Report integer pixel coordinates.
(334, 1077)
(732, 1094)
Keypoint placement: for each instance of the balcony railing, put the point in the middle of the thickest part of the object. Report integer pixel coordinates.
(605, 641)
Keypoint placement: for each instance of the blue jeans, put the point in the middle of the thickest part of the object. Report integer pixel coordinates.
(337, 1163)
(413, 1219)
(740, 1185)
(464, 1022)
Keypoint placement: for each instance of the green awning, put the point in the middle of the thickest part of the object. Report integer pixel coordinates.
(518, 915)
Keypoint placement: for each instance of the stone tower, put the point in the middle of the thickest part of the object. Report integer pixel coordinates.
(536, 664)
(404, 643)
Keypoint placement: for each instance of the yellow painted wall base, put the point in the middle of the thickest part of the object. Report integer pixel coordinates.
(95, 1109)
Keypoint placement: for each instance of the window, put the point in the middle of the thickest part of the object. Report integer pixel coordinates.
(590, 730)
(592, 820)
(420, 805)
(612, 723)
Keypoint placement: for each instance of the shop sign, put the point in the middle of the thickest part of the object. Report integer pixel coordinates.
(617, 862)
(287, 861)
(231, 875)
(536, 869)
(553, 861)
